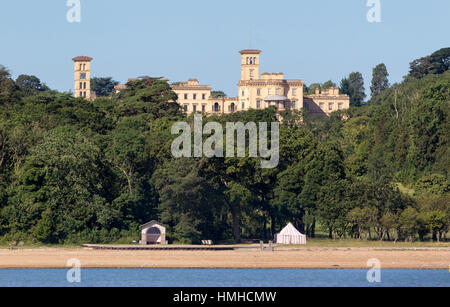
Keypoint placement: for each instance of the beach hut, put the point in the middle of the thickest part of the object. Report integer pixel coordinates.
(290, 235)
(153, 233)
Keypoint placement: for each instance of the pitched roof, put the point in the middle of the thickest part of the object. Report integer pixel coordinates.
(152, 223)
(290, 230)
(250, 51)
(82, 59)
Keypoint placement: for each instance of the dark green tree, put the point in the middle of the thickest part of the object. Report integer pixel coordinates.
(218, 94)
(103, 87)
(30, 84)
(437, 63)
(328, 85)
(380, 80)
(357, 90)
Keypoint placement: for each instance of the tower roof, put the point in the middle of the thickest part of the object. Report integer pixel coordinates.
(82, 59)
(250, 51)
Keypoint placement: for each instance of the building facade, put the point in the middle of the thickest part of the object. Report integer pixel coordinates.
(326, 102)
(257, 91)
(82, 70)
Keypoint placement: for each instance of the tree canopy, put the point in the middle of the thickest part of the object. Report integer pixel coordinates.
(78, 171)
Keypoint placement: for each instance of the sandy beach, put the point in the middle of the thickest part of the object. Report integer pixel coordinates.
(312, 258)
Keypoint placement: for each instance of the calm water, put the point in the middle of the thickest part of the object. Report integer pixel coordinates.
(223, 278)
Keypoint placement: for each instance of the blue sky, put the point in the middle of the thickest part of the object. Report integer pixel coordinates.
(314, 40)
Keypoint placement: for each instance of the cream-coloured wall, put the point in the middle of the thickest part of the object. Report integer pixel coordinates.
(250, 64)
(252, 90)
(330, 100)
(82, 87)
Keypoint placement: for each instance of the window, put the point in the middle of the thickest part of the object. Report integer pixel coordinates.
(330, 106)
(216, 107)
(84, 86)
(81, 66)
(293, 104)
(195, 96)
(277, 92)
(83, 75)
(243, 92)
(81, 94)
(81, 85)
(322, 106)
(294, 92)
(203, 108)
(252, 72)
(258, 104)
(258, 92)
(243, 105)
(84, 94)
(185, 108)
(232, 107)
(185, 96)
(195, 108)
(248, 60)
(203, 96)
(341, 106)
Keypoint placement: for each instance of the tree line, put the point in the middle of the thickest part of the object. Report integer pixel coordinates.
(77, 171)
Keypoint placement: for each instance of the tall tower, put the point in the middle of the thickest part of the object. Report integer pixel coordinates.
(250, 64)
(83, 77)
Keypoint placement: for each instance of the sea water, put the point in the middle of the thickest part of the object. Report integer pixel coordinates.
(221, 278)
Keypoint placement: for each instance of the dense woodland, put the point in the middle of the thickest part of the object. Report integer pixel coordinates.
(76, 171)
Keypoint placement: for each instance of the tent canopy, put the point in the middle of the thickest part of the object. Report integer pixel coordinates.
(290, 235)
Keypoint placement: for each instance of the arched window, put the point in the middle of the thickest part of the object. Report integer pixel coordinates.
(84, 85)
(216, 107)
(248, 60)
(81, 85)
(232, 107)
(254, 60)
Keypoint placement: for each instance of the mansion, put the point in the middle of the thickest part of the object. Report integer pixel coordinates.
(255, 91)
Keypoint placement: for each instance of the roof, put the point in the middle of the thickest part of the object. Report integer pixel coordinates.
(276, 98)
(290, 230)
(250, 51)
(152, 223)
(82, 59)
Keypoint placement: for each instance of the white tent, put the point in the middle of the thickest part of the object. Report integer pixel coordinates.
(290, 235)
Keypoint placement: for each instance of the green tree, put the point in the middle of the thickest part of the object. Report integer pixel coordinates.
(30, 84)
(408, 223)
(435, 184)
(103, 87)
(60, 188)
(218, 94)
(357, 90)
(437, 63)
(344, 87)
(150, 98)
(328, 85)
(380, 80)
(9, 91)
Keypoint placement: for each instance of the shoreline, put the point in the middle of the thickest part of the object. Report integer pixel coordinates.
(305, 258)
